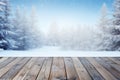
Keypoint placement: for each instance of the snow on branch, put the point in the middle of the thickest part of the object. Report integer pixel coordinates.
(1, 3)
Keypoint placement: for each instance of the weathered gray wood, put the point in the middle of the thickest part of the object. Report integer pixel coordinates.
(32, 74)
(82, 73)
(91, 69)
(104, 62)
(25, 70)
(112, 64)
(45, 71)
(15, 69)
(9, 66)
(6, 62)
(70, 69)
(58, 69)
(3, 59)
(105, 73)
(115, 60)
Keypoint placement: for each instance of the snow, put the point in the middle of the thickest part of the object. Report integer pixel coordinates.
(1, 9)
(57, 52)
(1, 3)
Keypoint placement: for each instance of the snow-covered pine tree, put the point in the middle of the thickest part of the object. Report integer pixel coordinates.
(66, 38)
(20, 23)
(5, 25)
(1, 4)
(117, 13)
(53, 35)
(103, 34)
(3, 42)
(34, 35)
(26, 27)
(104, 19)
(116, 27)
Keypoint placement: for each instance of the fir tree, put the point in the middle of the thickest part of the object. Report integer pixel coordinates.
(5, 25)
(103, 35)
(115, 44)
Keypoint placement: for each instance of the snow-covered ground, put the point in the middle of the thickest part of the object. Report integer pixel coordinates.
(56, 52)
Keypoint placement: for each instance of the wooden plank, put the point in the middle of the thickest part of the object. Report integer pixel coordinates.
(108, 67)
(32, 74)
(58, 69)
(107, 75)
(82, 72)
(15, 69)
(45, 71)
(70, 69)
(6, 62)
(25, 70)
(95, 75)
(9, 66)
(114, 65)
(3, 59)
(115, 60)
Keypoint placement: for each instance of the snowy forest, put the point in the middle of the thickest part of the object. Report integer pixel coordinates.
(19, 30)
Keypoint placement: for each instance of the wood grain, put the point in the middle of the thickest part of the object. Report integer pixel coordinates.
(60, 68)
